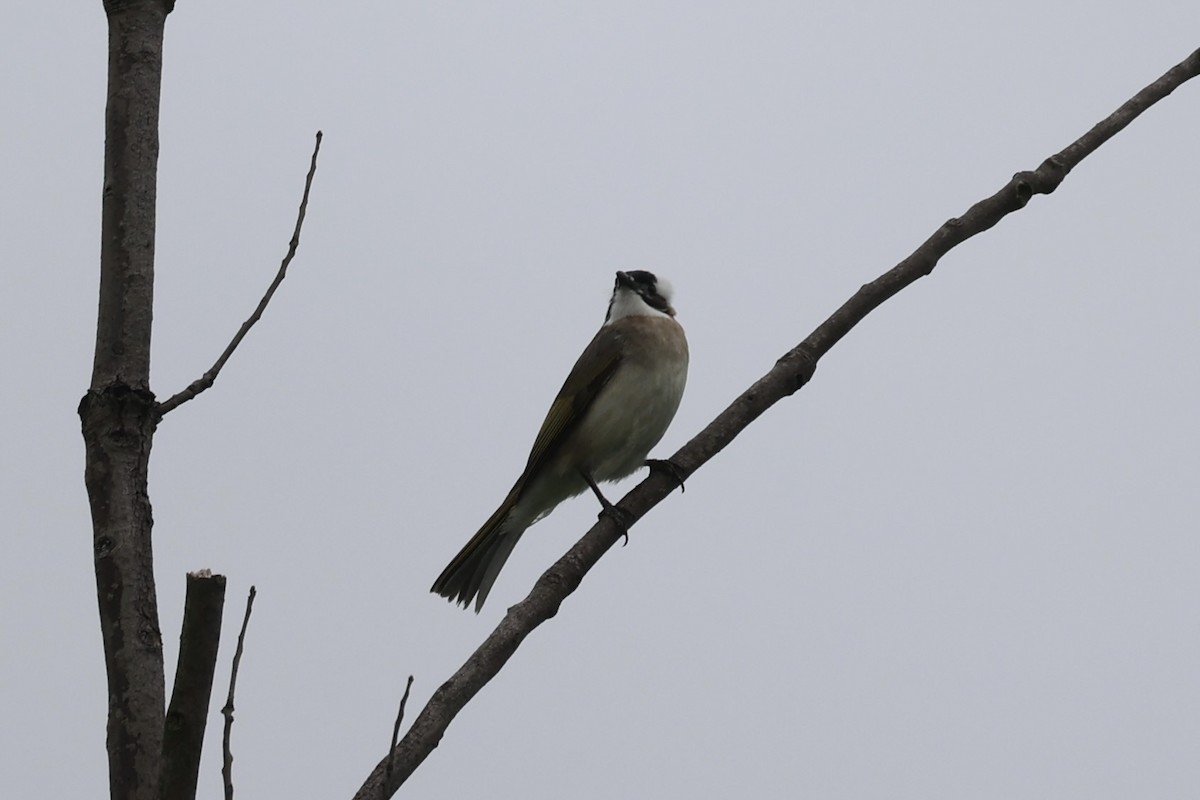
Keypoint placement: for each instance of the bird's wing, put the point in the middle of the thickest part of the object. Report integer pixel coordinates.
(591, 372)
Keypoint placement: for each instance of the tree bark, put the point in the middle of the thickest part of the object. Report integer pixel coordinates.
(187, 714)
(118, 411)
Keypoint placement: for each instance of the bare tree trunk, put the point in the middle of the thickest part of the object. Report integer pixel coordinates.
(118, 411)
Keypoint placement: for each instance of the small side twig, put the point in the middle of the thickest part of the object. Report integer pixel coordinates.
(387, 781)
(227, 711)
(208, 378)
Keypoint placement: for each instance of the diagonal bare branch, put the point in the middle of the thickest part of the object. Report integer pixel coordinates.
(208, 378)
(790, 373)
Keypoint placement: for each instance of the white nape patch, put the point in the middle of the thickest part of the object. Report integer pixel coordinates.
(665, 289)
(628, 303)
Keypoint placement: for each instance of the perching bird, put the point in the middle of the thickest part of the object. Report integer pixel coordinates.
(614, 406)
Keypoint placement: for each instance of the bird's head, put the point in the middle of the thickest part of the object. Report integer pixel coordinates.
(639, 292)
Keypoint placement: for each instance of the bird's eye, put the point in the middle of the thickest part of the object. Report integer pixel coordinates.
(643, 278)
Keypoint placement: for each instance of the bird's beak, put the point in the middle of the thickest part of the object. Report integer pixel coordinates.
(623, 279)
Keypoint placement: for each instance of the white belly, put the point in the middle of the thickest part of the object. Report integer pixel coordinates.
(628, 418)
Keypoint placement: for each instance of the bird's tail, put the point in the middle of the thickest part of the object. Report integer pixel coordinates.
(470, 574)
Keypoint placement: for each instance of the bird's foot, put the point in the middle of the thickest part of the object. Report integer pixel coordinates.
(620, 517)
(667, 466)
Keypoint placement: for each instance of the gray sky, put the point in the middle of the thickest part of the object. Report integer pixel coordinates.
(961, 563)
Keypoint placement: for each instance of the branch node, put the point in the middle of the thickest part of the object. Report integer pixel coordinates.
(1022, 188)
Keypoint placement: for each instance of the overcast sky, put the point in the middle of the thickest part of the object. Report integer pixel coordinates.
(961, 563)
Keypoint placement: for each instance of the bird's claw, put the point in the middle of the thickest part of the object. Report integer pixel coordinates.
(667, 466)
(620, 517)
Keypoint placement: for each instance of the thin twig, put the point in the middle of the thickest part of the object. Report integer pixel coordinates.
(227, 711)
(396, 732)
(206, 380)
(790, 373)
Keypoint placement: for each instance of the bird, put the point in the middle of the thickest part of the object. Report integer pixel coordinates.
(614, 406)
